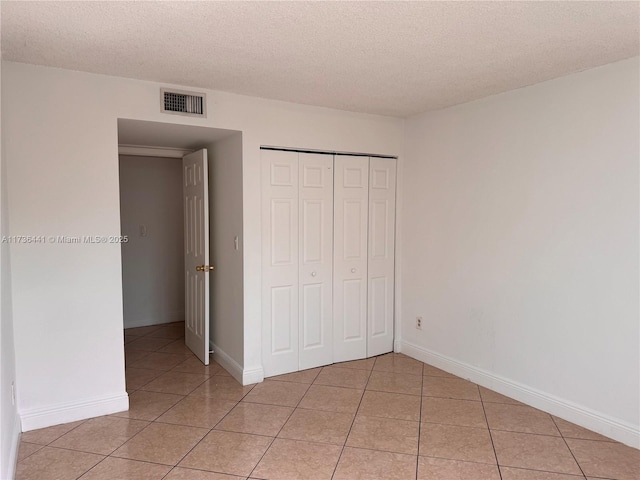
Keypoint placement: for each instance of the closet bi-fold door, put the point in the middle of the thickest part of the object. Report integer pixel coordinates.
(297, 260)
(316, 259)
(280, 255)
(351, 205)
(382, 208)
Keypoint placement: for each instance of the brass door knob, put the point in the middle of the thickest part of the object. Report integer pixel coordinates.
(205, 268)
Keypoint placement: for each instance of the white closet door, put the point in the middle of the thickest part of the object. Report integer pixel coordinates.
(316, 259)
(351, 187)
(382, 207)
(279, 262)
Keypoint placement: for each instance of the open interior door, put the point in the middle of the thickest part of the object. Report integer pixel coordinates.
(196, 253)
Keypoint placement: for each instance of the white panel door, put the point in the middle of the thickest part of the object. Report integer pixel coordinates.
(316, 259)
(382, 207)
(279, 262)
(351, 205)
(196, 248)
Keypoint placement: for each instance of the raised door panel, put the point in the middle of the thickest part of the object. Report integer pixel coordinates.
(196, 248)
(350, 257)
(315, 260)
(381, 261)
(280, 251)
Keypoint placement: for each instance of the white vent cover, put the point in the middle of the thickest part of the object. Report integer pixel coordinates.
(192, 104)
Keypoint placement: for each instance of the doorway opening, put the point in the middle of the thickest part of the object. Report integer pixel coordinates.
(153, 228)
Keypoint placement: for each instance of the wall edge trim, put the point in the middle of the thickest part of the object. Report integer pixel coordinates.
(12, 461)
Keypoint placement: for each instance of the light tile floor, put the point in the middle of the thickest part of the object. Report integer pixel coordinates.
(389, 417)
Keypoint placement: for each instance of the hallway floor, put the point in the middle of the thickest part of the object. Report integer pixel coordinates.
(389, 417)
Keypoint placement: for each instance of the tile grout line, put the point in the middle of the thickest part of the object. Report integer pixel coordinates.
(155, 420)
(210, 430)
(335, 469)
(568, 448)
(493, 446)
(283, 424)
(420, 422)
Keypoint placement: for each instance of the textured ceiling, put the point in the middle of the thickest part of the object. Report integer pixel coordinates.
(391, 58)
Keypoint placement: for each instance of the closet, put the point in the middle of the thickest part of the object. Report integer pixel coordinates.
(328, 230)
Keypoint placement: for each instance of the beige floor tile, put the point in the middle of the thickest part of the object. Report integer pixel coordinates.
(194, 365)
(141, 331)
(179, 383)
(469, 444)
(223, 387)
(25, 449)
(443, 469)
(161, 443)
(390, 405)
(519, 418)
(44, 436)
(398, 364)
(197, 411)
(387, 434)
(489, 396)
(130, 338)
(131, 358)
(255, 418)
(169, 331)
(317, 426)
(571, 430)
(303, 376)
(606, 459)
(342, 377)
(56, 463)
(286, 394)
(149, 405)
(395, 383)
(510, 473)
(331, 399)
(100, 435)
(431, 371)
(159, 361)
(535, 452)
(147, 344)
(362, 364)
(359, 464)
(138, 377)
(180, 473)
(450, 388)
(177, 346)
(295, 460)
(466, 413)
(227, 452)
(119, 468)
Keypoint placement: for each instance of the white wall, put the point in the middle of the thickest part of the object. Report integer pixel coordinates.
(9, 420)
(226, 283)
(520, 244)
(61, 150)
(152, 265)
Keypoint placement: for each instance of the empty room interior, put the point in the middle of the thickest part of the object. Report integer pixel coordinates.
(320, 240)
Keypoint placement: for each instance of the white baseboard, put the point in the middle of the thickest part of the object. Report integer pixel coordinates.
(73, 411)
(245, 376)
(598, 422)
(169, 317)
(252, 375)
(8, 470)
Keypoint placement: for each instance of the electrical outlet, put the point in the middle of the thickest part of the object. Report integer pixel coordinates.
(419, 323)
(13, 394)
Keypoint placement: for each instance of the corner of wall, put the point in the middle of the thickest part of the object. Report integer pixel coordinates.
(10, 426)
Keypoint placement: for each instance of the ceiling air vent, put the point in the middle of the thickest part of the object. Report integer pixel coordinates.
(183, 103)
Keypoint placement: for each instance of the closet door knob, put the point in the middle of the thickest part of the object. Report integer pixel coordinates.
(353, 270)
(313, 274)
